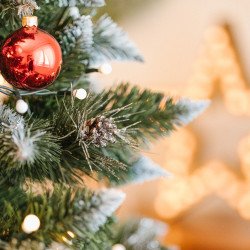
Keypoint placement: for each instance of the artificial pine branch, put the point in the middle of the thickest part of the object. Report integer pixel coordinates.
(154, 114)
(139, 116)
(98, 209)
(24, 146)
(84, 131)
(79, 33)
(144, 169)
(96, 135)
(61, 211)
(66, 138)
(112, 43)
(76, 41)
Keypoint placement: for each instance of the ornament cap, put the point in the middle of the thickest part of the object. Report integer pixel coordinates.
(30, 21)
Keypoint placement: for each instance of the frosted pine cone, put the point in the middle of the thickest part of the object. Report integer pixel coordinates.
(100, 131)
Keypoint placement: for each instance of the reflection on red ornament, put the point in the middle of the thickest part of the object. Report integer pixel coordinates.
(30, 59)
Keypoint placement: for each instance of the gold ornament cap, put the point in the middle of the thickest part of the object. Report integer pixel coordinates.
(30, 21)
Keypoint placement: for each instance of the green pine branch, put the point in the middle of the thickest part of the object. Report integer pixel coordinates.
(153, 113)
(66, 215)
(98, 136)
(28, 149)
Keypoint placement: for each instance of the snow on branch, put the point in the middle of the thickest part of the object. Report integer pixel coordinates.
(192, 109)
(80, 3)
(102, 205)
(146, 170)
(80, 33)
(112, 43)
(26, 7)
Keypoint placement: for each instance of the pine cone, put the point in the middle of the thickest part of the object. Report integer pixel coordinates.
(100, 131)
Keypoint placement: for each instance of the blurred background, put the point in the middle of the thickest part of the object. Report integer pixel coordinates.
(199, 49)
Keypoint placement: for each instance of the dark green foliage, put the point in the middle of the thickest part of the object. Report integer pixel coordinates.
(55, 150)
(147, 115)
(154, 114)
(69, 124)
(57, 212)
(65, 139)
(24, 146)
(9, 18)
(63, 155)
(150, 116)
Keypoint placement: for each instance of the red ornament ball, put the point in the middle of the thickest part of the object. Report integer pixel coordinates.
(30, 59)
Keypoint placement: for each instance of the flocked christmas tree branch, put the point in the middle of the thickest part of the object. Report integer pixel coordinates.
(93, 135)
(141, 234)
(67, 134)
(70, 217)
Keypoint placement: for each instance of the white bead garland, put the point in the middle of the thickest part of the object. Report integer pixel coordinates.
(81, 94)
(105, 69)
(31, 223)
(118, 247)
(21, 106)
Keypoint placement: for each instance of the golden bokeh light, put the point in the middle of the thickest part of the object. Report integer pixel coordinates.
(217, 64)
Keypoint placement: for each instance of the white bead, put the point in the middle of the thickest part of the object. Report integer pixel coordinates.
(31, 223)
(118, 247)
(105, 68)
(21, 106)
(80, 93)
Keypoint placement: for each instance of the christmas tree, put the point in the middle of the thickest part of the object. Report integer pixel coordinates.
(53, 137)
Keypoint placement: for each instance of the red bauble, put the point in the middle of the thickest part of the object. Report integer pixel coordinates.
(30, 58)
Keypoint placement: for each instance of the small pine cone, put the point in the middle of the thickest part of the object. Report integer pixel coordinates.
(100, 131)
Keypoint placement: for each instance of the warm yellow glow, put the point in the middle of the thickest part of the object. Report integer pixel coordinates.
(217, 63)
(66, 240)
(198, 187)
(183, 191)
(118, 247)
(244, 154)
(179, 151)
(72, 235)
(31, 223)
(105, 69)
(180, 193)
(244, 206)
(165, 208)
(81, 94)
(237, 101)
